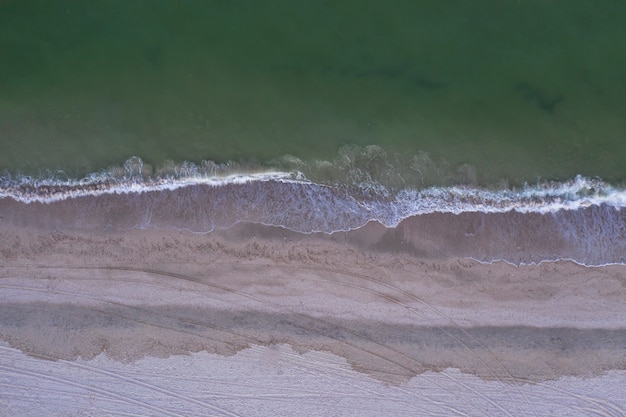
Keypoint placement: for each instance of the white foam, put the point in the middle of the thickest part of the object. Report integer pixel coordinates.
(385, 206)
(578, 193)
(28, 190)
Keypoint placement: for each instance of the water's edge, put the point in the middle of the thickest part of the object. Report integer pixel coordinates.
(583, 219)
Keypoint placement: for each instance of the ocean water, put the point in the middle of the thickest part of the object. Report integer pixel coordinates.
(320, 117)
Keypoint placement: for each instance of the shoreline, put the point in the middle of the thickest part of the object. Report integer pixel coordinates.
(590, 235)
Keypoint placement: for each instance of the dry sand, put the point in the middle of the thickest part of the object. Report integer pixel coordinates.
(121, 298)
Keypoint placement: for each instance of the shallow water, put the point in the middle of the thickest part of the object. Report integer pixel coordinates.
(519, 91)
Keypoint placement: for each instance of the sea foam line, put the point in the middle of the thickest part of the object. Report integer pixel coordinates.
(46, 191)
(543, 198)
(384, 205)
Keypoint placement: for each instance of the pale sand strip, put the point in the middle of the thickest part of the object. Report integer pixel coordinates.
(69, 294)
(278, 381)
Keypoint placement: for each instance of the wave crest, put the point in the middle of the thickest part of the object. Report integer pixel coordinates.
(361, 175)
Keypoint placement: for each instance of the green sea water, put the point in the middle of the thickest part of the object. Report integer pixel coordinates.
(519, 90)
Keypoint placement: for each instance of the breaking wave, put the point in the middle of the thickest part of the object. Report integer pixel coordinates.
(582, 219)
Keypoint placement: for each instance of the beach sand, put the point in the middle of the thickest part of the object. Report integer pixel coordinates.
(352, 313)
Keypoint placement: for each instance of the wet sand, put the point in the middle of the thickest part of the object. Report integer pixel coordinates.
(463, 224)
(74, 296)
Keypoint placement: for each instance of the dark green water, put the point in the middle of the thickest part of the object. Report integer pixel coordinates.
(518, 89)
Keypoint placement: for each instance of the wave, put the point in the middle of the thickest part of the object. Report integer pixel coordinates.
(581, 219)
(388, 205)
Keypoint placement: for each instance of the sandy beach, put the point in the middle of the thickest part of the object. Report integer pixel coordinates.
(261, 209)
(390, 317)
